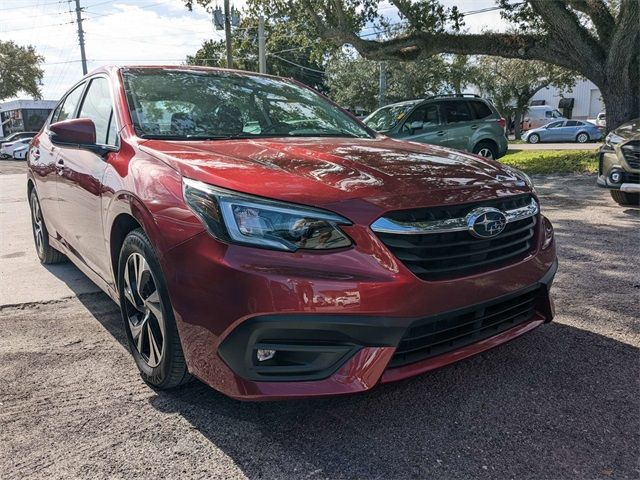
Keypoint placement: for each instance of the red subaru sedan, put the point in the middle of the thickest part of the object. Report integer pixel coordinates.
(261, 239)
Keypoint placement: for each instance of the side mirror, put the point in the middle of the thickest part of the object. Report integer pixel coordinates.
(77, 132)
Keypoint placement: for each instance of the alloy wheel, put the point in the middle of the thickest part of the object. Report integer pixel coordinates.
(534, 138)
(144, 310)
(38, 225)
(486, 153)
(582, 138)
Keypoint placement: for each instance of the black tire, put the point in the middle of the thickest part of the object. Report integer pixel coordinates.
(625, 198)
(533, 138)
(486, 149)
(171, 368)
(582, 137)
(46, 253)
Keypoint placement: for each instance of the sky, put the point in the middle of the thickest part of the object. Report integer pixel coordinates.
(134, 31)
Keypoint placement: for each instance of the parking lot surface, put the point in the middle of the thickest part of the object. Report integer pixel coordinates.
(560, 402)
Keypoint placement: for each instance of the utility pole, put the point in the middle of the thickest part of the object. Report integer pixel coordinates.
(81, 37)
(262, 48)
(227, 32)
(382, 85)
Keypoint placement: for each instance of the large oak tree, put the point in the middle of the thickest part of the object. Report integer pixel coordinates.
(599, 39)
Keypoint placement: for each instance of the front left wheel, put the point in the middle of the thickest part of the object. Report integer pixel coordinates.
(148, 316)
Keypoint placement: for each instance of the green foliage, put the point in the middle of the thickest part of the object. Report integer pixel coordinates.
(511, 83)
(286, 45)
(19, 70)
(353, 81)
(552, 161)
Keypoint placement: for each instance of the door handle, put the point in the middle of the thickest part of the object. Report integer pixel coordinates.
(60, 166)
(474, 127)
(440, 133)
(35, 153)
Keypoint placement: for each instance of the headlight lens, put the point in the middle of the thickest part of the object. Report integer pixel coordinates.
(237, 218)
(612, 139)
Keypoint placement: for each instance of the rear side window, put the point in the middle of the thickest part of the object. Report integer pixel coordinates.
(574, 123)
(456, 112)
(97, 106)
(68, 107)
(480, 109)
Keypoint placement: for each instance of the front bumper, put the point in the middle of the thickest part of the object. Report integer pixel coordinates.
(611, 161)
(336, 329)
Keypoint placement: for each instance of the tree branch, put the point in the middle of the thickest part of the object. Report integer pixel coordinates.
(599, 14)
(566, 27)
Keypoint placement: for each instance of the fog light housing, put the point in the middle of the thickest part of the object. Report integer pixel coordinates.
(548, 232)
(263, 354)
(615, 176)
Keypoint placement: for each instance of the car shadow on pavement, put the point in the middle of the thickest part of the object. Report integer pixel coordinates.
(558, 403)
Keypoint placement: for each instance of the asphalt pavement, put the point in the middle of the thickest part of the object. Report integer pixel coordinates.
(561, 402)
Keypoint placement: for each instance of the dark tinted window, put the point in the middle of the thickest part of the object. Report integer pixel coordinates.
(574, 123)
(480, 109)
(68, 107)
(98, 107)
(456, 111)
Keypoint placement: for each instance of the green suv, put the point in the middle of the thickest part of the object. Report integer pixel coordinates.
(463, 121)
(619, 166)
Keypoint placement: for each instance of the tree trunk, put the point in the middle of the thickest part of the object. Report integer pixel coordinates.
(517, 119)
(621, 100)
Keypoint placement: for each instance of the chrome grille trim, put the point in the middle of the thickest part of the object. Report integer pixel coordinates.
(388, 225)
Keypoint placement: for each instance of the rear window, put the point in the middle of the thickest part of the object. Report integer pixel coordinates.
(480, 109)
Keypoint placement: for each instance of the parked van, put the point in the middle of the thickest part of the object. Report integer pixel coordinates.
(539, 115)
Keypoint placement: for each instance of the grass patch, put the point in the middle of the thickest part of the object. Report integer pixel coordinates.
(552, 161)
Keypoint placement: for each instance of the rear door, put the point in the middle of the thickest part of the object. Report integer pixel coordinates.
(43, 157)
(424, 125)
(459, 120)
(80, 185)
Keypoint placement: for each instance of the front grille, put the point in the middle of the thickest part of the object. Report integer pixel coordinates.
(630, 177)
(631, 153)
(434, 336)
(432, 256)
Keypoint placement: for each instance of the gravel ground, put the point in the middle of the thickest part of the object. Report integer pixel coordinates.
(560, 402)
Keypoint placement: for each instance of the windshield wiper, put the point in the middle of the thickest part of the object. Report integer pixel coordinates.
(192, 137)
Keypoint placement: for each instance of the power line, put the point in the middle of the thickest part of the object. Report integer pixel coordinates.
(30, 6)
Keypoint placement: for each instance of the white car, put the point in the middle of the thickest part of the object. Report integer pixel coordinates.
(20, 153)
(7, 149)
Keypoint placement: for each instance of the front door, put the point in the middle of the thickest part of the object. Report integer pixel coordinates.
(424, 125)
(80, 185)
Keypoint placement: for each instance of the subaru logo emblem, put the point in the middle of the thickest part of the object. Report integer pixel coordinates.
(486, 222)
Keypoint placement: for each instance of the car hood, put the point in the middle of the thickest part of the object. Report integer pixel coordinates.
(629, 130)
(375, 174)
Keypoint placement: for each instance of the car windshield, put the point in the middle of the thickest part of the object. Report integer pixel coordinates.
(181, 104)
(388, 117)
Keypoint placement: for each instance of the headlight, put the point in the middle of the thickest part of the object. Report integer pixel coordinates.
(612, 139)
(237, 218)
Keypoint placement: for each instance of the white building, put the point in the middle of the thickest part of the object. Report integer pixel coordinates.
(587, 99)
(24, 115)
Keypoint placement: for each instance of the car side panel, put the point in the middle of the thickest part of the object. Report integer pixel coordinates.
(42, 161)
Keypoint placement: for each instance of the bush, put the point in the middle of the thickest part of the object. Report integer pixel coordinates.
(552, 161)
